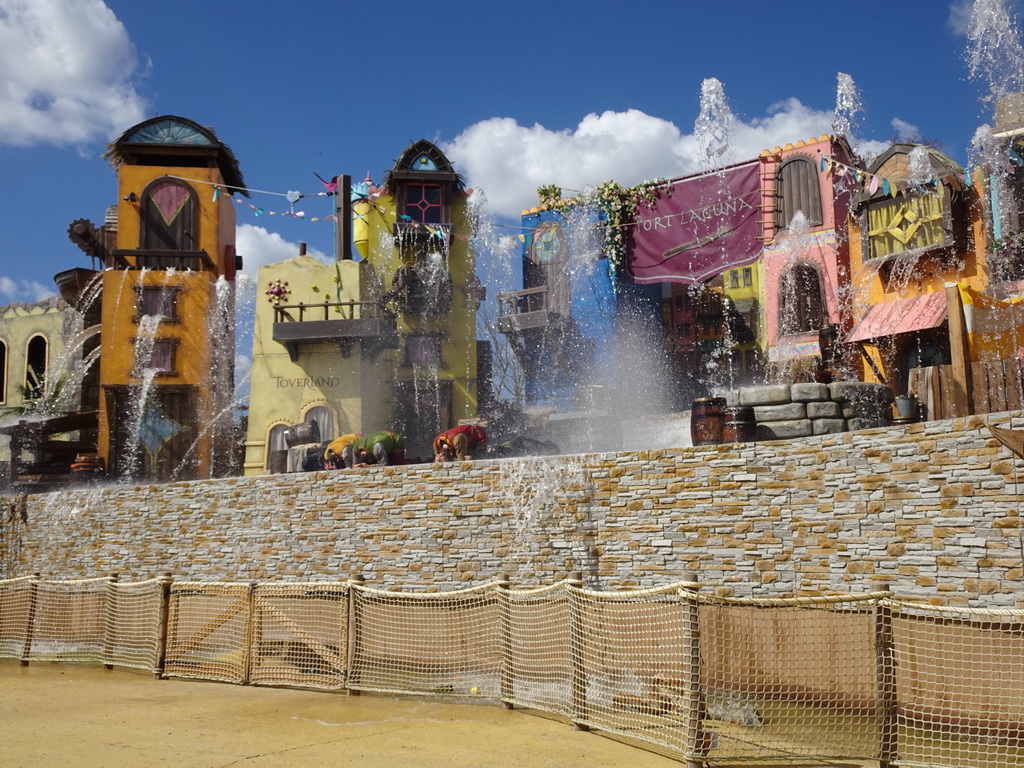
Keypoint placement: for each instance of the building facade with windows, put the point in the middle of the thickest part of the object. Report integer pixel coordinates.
(806, 253)
(32, 362)
(743, 312)
(381, 338)
(916, 227)
(317, 351)
(165, 297)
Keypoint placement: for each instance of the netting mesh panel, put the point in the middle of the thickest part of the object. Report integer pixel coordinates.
(133, 624)
(208, 631)
(704, 678)
(538, 669)
(300, 635)
(443, 643)
(632, 653)
(789, 678)
(68, 621)
(959, 686)
(15, 609)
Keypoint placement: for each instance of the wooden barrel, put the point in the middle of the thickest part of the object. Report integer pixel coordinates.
(739, 424)
(301, 434)
(706, 420)
(87, 466)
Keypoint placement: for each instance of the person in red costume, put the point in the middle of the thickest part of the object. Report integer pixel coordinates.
(458, 443)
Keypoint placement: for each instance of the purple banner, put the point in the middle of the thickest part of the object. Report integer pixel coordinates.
(699, 227)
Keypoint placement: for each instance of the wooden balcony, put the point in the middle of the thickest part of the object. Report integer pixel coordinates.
(523, 310)
(342, 323)
(413, 233)
(196, 261)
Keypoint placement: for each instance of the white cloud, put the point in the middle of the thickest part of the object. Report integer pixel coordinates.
(905, 131)
(67, 72)
(960, 16)
(257, 247)
(24, 290)
(509, 161)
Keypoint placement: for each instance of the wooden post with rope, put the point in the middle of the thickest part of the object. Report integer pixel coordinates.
(960, 352)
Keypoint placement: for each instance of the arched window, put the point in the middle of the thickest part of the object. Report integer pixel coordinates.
(796, 189)
(277, 449)
(423, 183)
(35, 367)
(323, 415)
(914, 205)
(801, 300)
(3, 372)
(168, 217)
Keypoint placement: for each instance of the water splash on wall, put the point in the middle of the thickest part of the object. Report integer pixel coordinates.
(541, 497)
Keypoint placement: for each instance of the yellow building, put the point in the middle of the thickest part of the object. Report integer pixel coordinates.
(388, 342)
(167, 303)
(916, 226)
(745, 338)
(31, 347)
(34, 373)
(318, 350)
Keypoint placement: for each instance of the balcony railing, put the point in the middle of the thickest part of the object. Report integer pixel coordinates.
(342, 322)
(197, 261)
(521, 310)
(417, 233)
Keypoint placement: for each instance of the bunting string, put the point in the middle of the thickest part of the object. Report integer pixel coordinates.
(891, 187)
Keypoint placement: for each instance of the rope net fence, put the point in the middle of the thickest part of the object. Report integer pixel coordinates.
(702, 678)
(428, 643)
(95, 620)
(299, 635)
(959, 677)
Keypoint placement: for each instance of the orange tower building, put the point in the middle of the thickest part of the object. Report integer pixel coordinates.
(167, 304)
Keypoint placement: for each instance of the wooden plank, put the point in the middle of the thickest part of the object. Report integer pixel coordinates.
(996, 386)
(327, 654)
(960, 389)
(240, 605)
(923, 382)
(951, 393)
(1012, 374)
(980, 381)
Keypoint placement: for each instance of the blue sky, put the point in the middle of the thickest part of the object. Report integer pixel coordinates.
(517, 94)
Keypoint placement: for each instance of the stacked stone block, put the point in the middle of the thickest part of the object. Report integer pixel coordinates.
(788, 411)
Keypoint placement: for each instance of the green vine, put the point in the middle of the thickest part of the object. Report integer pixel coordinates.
(618, 205)
(549, 195)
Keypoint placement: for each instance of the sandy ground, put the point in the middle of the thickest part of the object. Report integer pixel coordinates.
(80, 717)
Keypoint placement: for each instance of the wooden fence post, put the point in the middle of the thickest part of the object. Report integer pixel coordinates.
(959, 352)
(505, 606)
(697, 740)
(252, 636)
(30, 620)
(353, 632)
(110, 621)
(577, 663)
(165, 582)
(885, 672)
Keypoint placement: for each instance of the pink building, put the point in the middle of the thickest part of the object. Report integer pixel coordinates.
(806, 254)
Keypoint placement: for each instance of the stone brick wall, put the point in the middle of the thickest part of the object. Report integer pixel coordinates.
(932, 509)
